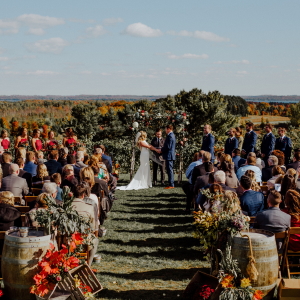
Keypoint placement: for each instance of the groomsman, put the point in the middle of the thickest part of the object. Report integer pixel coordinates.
(232, 142)
(158, 142)
(284, 144)
(208, 141)
(249, 139)
(268, 143)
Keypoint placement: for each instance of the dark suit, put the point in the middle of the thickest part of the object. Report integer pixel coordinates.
(208, 143)
(27, 176)
(53, 166)
(249, 142)
(284, 144)
(169, 155)
(267, 173)
(5, 169)
(231, 144)
(293, 165)
(252, 202)
(267, 145)
(201, 182)
(199, 171)
(158, 144)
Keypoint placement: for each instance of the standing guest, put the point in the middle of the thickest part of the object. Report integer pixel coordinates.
(232, 142)
(236, 156)
(53, 166)
(268, 143)
(158, 142)
(249, 140)
(9, 215)
(56, 178)
(250, 165)
(284, 144)
(36, 142)
(30, 165)
(292, 201)
(6, 162)
(41, 176)
(267, 171)
(63, 153)
(24, 174)
(169, 155)
(22, 139)
(79, 160)
(227, 166)
(208, 141)
(105, 155)
(70, 141)
(239, 137)
(1, 153)
(4, 140)
(68, 177)
(296, 162)
(251, 202)
(15, 184)
(51, 143)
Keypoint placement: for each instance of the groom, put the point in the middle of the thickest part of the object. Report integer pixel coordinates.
(168, 153)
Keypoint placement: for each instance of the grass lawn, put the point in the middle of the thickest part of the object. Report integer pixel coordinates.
(148, 251)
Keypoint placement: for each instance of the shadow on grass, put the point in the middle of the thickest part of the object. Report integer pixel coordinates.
(159, 229)
(160, 220)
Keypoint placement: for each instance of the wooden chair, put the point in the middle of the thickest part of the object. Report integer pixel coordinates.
(252, 221)
(22, 209)
(17, 200)
(36, 191)
(281, 253)
(29, 199)
(264, 188)
(264, 183)
(2, 236)
(290, 253)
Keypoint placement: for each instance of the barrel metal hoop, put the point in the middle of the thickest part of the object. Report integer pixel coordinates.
(264, 288)
(261, 259)
(16, 261)
(33, 245)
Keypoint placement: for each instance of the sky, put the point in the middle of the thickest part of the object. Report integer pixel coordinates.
(138, 47)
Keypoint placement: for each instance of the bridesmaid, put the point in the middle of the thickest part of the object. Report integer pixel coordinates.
(51, 143)
(70, 141)
(36, 143)
(4, 140)
(22, 139)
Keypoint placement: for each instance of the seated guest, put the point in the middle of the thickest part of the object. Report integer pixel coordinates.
(50, 188)
(72, 161)
(287, 183)
(259, 162)
(53, 166)
(56, 177)
(79, 160)
(236, 156)
(21, 152)
(24, 174)
(219, 156)
(251, 202)
(40, 205)
(296, 161)
(209, 205)
(98, 153)
(87, 175)
(86, 210)
(15, 184)
(251, 165)
(39, 156)
(9, 215)
(267, 171)
(220, 178)
(292, 201)
(243, 161)
(102, 183)
(196, 162)
(68, 177)
(63, 153)
(105, 155)
(30, 165)
(254, 185)
(281, 159)
(277, 175)
(273, 219)
(203, 180)
(6, 161)
(41, 176)
(228, 167)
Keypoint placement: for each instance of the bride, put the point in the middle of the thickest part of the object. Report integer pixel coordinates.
(142, 178)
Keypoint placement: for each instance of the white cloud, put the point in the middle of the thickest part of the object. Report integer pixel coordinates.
(204, 35)
(244, 62)
(12, 73)
(4, 58)
(187, 55)
(242, 72)
(8, 27)
(95, 31)
(141, 30)
(74, 20)
(33, 20)
(41, 72)
(112, 21)
(36, 31)
(52, 45)
(86, 72)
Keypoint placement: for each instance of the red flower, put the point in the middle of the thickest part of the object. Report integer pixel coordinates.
(1, 293)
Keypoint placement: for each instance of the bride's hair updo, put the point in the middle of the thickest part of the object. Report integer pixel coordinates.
(141, 138)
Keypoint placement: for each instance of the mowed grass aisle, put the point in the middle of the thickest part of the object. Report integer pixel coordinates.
(148, 251)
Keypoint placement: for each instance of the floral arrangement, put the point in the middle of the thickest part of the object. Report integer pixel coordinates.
(86, 290)
(52, 147)
(24, 144)
(205, 292)
(55, 265)
(235, 285)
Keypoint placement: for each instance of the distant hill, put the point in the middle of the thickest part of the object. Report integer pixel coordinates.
(272, 98)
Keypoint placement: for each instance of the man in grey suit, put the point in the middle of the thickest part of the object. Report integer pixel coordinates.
(13, 183)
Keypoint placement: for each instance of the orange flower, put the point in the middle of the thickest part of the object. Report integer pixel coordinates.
(258, 295)
(227, 281)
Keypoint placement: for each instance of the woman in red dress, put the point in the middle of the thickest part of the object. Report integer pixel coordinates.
(36, 143)
(22, 139)
(70, 141)
(292, 202)
(4, 140)
(51, 143)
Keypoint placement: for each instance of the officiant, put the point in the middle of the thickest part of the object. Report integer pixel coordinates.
(158, 142)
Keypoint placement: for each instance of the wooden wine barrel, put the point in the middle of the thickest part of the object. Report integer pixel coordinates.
(20, 259)
(265, 255)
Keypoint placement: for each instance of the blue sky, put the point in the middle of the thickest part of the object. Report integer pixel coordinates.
(149, 47)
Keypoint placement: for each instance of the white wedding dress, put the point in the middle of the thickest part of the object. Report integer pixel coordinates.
(142, 178)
